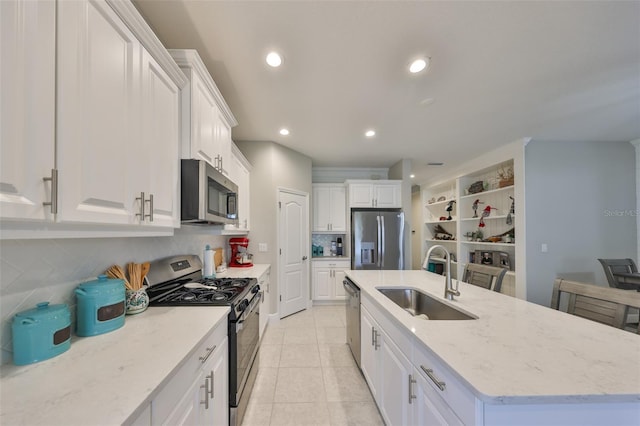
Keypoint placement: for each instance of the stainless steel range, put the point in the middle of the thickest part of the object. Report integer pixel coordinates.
(178, 281)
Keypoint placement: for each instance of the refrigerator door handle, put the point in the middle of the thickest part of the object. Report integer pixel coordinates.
(378, 263)
(382, 241)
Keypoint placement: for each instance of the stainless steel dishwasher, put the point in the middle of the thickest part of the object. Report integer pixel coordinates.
(353, 318)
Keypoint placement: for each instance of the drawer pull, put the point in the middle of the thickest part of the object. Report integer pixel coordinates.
(434, 379)
(204, 358)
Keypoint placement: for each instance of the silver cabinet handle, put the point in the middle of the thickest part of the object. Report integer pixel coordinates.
(376, 344)
(211, 377)
(54, 191)
(206, 391)
(434, 379)
(150, 201)
(411, 382)
(204, 358)
(373, 336)
(142, 202)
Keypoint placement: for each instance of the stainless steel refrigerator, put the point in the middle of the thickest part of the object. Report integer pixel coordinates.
(377, 239)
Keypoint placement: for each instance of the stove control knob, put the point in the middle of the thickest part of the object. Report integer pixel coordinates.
(255, 289)
(243, 305)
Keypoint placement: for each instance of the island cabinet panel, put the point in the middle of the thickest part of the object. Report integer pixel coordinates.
(387, 370)
(368, 351)
(446, 394)
(563, 414)
(398, 372)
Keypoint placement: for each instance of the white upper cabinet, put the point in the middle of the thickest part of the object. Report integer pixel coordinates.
(98, 126)
(329, 208)
(206, 117)
(378, 194)
(102, 99)
(27, 120)
(160, 135)
(240, 174)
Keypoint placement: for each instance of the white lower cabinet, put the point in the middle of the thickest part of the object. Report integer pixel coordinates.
(429, 408)
(199, 392)
(408, 384)
(265, 287)
(327, 277)
(387, 371)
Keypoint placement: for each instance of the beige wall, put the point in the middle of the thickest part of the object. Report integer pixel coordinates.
(273, 166)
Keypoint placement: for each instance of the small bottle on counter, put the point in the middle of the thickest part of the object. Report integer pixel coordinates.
(339, 247)
(208, 268)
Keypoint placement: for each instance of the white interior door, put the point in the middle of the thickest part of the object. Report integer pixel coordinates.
(294, 251)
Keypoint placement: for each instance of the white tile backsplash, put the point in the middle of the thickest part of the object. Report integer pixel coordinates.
(33, 271)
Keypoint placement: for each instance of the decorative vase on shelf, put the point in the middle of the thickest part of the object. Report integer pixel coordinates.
(136, 301)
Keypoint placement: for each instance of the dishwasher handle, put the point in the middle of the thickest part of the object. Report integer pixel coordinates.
(350, 288)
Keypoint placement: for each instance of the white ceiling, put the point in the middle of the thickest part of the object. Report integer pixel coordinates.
(500, 71)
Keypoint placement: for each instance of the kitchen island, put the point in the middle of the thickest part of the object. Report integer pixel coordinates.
(517, 363)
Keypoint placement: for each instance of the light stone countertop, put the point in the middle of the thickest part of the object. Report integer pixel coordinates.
(327, 258)
(110, 378)
(255, 271)
(516, 352)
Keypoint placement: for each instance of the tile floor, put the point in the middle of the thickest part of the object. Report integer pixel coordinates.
(308, 376)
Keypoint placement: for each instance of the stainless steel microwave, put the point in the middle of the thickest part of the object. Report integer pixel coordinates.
(208, 196)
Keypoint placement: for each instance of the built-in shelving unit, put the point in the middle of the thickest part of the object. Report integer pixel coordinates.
(464, 237)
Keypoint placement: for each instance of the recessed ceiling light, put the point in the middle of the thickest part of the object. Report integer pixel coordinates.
(274, 59)
(284, 132)
(370, 133)
(412, 176)
(418, 65)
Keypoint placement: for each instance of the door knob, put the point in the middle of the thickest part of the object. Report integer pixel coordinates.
(304, 257)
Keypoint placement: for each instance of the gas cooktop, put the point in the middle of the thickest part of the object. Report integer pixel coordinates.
(217, 291)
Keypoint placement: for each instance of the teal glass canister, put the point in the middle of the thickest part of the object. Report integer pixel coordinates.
(41, 333)
(100, 306)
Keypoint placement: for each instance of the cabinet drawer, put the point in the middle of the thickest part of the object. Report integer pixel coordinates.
(457, 396)
(165, 402)
(398, 334)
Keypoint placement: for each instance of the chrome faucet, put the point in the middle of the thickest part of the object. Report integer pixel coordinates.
(449, 291)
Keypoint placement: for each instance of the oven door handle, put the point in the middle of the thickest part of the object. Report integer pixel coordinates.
(254, 303)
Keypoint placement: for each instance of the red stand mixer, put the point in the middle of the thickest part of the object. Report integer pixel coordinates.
(239, 256)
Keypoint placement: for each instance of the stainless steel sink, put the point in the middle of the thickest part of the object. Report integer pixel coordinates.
(419, 304)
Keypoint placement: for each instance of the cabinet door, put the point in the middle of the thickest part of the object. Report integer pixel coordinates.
(321, 208)
(338, 289)
(428, 407)
(338, 213)
(239, 174)
(388, 195)
(394, 389)
(264, 310)
(204, 115)
(216, 373)
(97, 122)
(160, 97)
(27, 130)
(321, 283)
(187, 411)
(223, 143)
(360, 195)
(369, 351)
